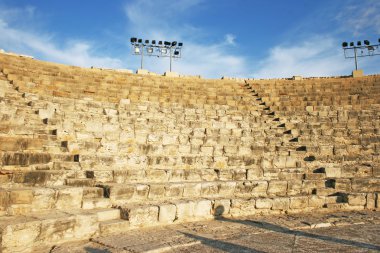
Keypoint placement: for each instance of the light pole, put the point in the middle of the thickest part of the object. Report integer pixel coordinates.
(360, 50)
(159, 49)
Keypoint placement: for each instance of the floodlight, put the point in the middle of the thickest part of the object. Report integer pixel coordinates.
(359, 43)
(164, 51)
(176, 52)
(344, 44)
(146, 41)
(150, 50)
(153, 42)
(133, 40)
(160, 42)
(366, 42)
(352, 44)
(180, 44)
(140, 41)
(137, 50)
(174, 43)
(167, 43)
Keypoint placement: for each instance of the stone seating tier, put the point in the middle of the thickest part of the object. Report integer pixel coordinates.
(85, 152)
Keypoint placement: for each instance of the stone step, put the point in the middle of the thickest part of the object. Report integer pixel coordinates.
(113, 226)
(51, 228)
(93, 203)
(80, 182)
(20, 201)
(135, 193)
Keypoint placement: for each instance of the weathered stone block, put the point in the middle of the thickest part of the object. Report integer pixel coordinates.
(69, 198)
(192, 190)
(280, 204)
(264, 203)
(185, 210)
(140, 215)
(298, 202)
(277, 187)
(356, 199)
(167, 213)
(21, 196)
(202, 208)
(241, 207)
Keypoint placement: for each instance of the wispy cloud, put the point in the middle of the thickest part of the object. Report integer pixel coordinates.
(162, 20)
(321, 54)
(360, 17)
(318, 56)
(42, 44)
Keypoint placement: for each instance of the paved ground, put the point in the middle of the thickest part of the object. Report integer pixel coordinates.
(339, 232)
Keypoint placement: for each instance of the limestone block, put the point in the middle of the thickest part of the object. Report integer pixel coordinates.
(69, 198)
(280, 204)
(333, 172)
(22, 196)
(345, 185)
(167, 213)
(277, 187)
(227, 188)
(185, 210)
(157, 175)
(202, 208)
(44, 198)
(230, 150)
(93, 126)
(298, 202)
(221, 207)
(207, 151)
(48, 112)
(254, 173)
(240, 207)
(192, 190)
(113, 226)
(209, 175)
(86, 225)
(4, 200)
(25, 230)
(169, 139)
(209, 189)
(156, 192)
(356, 199)
(174, 190)
(279, 162)
(264, 203)
(107, 214)
(370, 203)
(260, 188)
(240, 174)
(317, 201)
(141, 192)
(19, 209)
(57, 228)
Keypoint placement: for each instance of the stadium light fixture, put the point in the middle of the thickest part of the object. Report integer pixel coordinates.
(362, 49)
(156, 48)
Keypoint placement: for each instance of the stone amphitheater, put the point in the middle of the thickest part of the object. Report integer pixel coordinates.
(92, 152)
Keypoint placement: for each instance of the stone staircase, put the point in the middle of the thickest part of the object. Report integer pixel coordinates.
(86, 152)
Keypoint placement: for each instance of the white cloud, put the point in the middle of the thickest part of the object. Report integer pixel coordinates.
(162, 20)
(316, 57)
(361, 17)
(27, 41)
(230, 39)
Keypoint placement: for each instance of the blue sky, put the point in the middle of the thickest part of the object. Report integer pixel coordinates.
(240, 38)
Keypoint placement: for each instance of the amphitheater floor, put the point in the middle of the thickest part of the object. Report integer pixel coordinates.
(338, 232)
